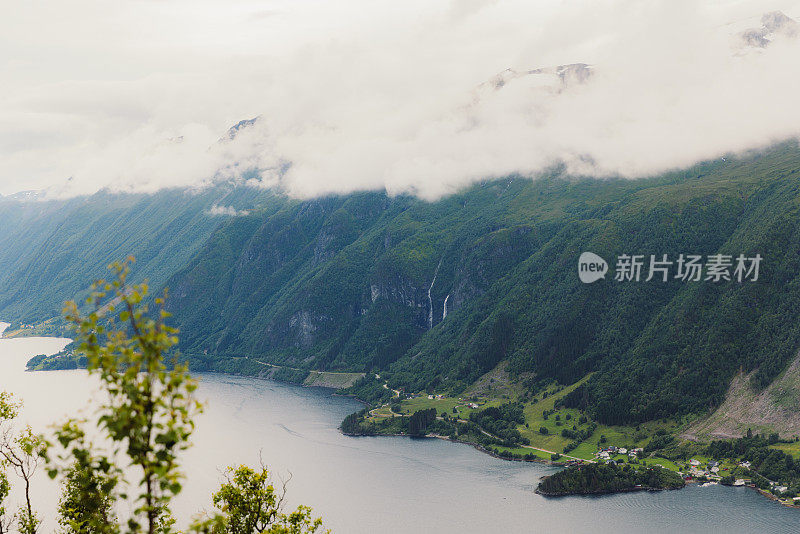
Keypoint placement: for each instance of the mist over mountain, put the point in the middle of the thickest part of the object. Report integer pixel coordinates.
(415, 207)
(427, 102)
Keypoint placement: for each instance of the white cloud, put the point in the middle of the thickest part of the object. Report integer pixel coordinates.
(370, 94)
(226, 211)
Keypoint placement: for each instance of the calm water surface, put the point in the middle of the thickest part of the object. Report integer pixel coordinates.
(367, 485)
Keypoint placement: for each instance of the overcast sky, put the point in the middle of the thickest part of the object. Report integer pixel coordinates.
(371, 94)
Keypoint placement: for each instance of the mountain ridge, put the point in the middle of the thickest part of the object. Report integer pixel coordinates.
(359, 283)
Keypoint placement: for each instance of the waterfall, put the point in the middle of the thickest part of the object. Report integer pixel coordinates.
(444, 312)
(430, 301)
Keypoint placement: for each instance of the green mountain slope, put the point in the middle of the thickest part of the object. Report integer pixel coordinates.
(359, 283)
(49, 249)
(433, 295)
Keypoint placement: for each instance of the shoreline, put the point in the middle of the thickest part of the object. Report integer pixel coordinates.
(772, 497)
(550, 463)
(476, 446)
(602, 493)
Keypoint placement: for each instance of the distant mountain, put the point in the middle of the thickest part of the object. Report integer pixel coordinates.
(234, 130)
(51, 249)
(773, 25)
(563, 76)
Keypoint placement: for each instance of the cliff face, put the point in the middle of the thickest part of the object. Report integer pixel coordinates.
(298, 283)
(321, 279)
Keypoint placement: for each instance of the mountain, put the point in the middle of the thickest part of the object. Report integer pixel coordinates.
(774, 24)
(50, 249)
(434, 295)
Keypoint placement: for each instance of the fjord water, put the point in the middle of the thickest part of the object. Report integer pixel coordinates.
(368, 485)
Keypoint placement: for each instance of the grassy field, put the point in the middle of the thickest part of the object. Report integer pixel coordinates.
(663, 462)
(534, 410)
(789, 448)
(555, 423)
(619, 436)
(442, 405)
(47, 328)
(522, 451)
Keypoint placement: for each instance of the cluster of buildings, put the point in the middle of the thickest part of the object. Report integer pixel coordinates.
(779, 489)
(468, 404)
(608, 453)
(710, 470)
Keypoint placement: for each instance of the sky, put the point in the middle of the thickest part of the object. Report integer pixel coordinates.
(421, 97)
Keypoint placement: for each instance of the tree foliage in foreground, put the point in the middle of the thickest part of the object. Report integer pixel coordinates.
(22, 452)
(145, 423)
(5, 488)
(248, 502)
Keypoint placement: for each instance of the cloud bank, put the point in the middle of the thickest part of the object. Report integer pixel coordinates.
(421, 97)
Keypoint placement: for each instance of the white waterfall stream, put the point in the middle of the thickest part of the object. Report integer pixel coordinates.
(430, 301)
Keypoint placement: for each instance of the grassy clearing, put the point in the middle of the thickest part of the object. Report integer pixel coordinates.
(557, 421)
(789, 448)
(523, 451)
(663, 462)
(47, 328)
(446, 404)
(383, 411)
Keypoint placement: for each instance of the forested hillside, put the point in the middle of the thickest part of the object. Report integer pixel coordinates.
(432, 295)
(49, 248)
(436, 294)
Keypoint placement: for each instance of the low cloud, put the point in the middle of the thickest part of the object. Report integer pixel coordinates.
(423, 97)
(226, 211)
